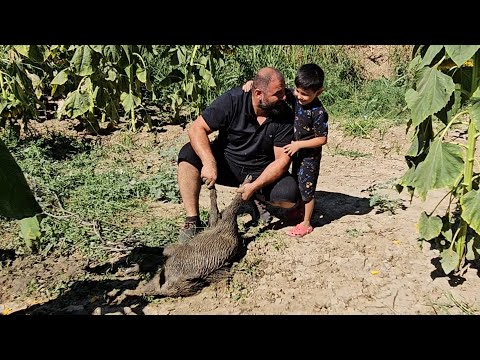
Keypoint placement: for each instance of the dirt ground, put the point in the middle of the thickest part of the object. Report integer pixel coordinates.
(360, 259)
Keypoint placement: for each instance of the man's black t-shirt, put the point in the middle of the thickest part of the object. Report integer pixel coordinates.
(246, 143)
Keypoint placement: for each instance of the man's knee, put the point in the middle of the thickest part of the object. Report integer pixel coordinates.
(187, 170)
(285, 192)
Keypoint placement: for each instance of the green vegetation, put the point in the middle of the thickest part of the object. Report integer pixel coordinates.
(444, 98)
(458, 306)
(119, 83)
(95, 196)
(348, 94)
(89, 196)
(88, 191)
(382, 202)
(353, 154)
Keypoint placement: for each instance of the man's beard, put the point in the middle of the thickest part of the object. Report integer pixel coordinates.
(272, 109)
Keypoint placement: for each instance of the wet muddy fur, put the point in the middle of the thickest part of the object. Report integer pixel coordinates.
(204, 259)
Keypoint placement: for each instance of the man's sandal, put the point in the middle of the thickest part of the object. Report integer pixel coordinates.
(299, 231)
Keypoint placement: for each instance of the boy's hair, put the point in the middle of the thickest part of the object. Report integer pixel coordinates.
(309, 77)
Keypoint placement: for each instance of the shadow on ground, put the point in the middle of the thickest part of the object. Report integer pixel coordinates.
(329, 206)
(453, 280)
(100, 297)
(105, 296)
(7, 255)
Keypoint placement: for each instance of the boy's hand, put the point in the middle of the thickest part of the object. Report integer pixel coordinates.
(292, 148)
(247, 86)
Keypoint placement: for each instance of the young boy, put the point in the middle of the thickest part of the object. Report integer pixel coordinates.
(310, 134)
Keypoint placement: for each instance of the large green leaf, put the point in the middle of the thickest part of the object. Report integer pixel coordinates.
(97, 48)
(407, 178)
(36, 84)
(470, 203)
(421, 140)
(61, 78)
(476, 93)
(448, 234)
(112, 75)
(16, 198)
(441, 168)
(432, 51)
(77, 103)
(189, 87)
(429, 227)
(452, 107)
(3, 104)
(141, 74)
(128, 51)
(433, 92)
(22, 49)
(475, 114)
(449, 260)
(181, 57)
(415, 147)
(461, 53)
(473, 248)
(30, 230)
(207, 76)
(415, 64)
(129, 101)
(82, 61)
(33, 52)
(112, 52)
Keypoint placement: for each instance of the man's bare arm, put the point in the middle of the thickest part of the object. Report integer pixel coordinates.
(198, 134)
(271, 173)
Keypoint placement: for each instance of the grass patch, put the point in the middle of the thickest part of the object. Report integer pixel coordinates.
(89, 200)
(453, 303)
(354, 233)
(244, 273)
(382, 202)
(353, 154)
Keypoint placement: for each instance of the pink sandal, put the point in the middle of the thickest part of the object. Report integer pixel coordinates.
(299, 231)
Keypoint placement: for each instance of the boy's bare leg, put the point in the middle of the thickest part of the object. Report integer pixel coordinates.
(309, 206)
(189, 184)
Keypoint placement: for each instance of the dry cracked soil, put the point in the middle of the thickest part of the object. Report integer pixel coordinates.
(363, 256)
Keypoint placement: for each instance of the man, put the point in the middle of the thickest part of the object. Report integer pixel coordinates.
(252, 129)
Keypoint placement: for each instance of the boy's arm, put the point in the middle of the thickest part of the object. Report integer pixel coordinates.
(247, 86)
(312, 143)
(320, 125)
(316, 142)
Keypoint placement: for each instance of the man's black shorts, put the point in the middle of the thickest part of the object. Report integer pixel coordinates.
(284, 189)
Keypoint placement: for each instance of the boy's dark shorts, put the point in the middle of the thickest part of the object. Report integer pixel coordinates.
(284, 189)
(307, 169)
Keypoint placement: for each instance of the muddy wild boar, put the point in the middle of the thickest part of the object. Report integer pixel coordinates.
(203, 259)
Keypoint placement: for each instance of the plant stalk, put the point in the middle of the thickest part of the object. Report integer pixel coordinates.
(468, 170)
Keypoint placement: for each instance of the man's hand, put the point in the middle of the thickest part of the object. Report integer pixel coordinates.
(247, 191)
(291, 148)
(209, 174)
